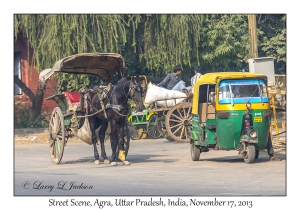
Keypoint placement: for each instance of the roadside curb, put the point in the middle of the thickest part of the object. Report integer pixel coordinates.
(23, 131)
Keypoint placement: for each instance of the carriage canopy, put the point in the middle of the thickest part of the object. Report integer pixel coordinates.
(104, 65)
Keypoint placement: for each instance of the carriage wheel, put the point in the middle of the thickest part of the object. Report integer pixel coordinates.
(153, 129)
(56, 135)
(134, 133)
(179, 122)
(126, 140)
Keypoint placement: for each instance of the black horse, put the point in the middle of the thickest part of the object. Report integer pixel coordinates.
(116, 113)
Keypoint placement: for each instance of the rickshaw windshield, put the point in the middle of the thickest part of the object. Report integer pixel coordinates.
(242, 91)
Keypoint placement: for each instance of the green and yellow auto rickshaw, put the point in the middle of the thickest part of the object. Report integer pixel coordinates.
(230, 111)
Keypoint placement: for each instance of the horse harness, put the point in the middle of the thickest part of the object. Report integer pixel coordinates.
(102, 92)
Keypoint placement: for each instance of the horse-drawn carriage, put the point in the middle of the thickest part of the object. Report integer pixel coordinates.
(88, 113)
(168, 116)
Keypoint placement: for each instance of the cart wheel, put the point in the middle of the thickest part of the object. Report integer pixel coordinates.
(153, 129)
(195, 152)
(179, 122)
(256, 154)
(250, 155)
(56, 135)
(134, 133)
(126, 140)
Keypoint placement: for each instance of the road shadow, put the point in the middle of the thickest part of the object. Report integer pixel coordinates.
(131, 158)
(240, 159)
(150, 159)
(82, 160)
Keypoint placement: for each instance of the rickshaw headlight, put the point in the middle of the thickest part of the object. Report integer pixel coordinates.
(253, 134)
(248, 105)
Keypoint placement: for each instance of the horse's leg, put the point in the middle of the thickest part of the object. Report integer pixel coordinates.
(113, 141)
(122, 155)
(121, 140)
(102, 131)
(94, 139)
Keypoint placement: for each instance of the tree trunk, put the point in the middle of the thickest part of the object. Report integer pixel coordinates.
(37, 104)
(24, 88)
(36, 100)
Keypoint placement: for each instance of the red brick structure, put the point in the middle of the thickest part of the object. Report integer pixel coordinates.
(29, 75)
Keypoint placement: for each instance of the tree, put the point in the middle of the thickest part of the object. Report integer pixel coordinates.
(226, 41)
(53, 37)
(36, 99)
(152, 44)
(272, 39)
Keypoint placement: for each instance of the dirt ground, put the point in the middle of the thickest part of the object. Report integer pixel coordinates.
(279, 144)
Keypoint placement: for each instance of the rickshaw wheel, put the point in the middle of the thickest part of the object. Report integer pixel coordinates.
(178, 122)
(256, 154)
(153, 127)
(195, 152)
(56, 135)
(250, 155)
(126, 140)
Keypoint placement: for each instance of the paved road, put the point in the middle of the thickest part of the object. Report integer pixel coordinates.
(159, 168)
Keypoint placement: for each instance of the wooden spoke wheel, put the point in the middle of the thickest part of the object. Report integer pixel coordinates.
(56, 135)
(134, 132)
(179, 122)
(153, 129)
(126, 140)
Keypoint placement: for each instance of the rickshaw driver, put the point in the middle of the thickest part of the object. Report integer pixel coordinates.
(236, 92)
(271, 151)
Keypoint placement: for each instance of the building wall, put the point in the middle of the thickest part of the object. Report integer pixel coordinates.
(30, 77)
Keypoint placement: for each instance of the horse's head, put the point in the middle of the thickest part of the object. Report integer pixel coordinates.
(135, 93)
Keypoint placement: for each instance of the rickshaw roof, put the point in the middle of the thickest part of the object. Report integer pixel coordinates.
(104, 65)
(212, 78)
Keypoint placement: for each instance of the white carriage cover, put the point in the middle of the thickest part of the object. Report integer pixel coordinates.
(163, 97)
(85, 133)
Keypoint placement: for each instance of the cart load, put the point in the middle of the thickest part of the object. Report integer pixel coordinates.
(163, 97)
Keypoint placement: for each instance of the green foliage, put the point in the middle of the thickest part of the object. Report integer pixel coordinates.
(73, 82)
(153, 44)
(169, 40)
(272, 39)
(55, 36)
(21, 116)
(226, 42)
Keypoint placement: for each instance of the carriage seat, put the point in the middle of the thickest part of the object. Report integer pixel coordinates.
(73, 99)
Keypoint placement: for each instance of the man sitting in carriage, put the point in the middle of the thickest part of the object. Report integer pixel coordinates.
(173, 82)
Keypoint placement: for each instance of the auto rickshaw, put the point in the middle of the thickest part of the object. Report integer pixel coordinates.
(230, 111)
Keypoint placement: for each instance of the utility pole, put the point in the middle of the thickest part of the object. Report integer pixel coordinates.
(253, 53)
(252, 36)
